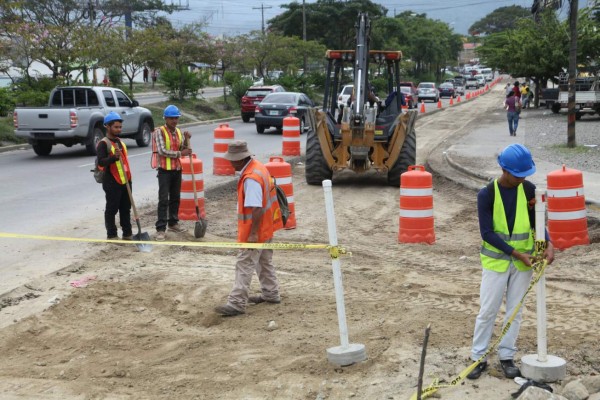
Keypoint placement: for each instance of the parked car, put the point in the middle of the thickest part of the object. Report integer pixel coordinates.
(410, 96)
(472, 83)
(343, 97)
(412, 90)
(428, 91)
(548, 96)
(253, 96)
(446, 89)
(75, 115)
(271, 111)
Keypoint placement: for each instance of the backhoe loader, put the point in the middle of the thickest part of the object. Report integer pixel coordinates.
(371, 134)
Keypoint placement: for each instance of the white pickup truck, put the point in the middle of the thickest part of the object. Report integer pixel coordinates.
(75, 115)
(587, 97)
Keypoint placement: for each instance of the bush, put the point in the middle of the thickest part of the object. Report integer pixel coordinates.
(181, 83)
(115, 76)
(7, 102)
(238, 89)
(33, 92)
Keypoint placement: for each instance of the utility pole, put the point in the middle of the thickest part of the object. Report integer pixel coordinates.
(571, 142)
(262, 10)
(304, 33)
(92, 16)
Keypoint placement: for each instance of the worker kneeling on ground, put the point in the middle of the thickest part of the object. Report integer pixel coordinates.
(506, 222)
(258, 218)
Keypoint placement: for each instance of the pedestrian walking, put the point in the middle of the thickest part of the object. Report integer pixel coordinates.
(145, 74)
(506, 223)
(112, 158)
(168, 146)
(258, 217)
(517, 89)
(512, 105)
(508, 89)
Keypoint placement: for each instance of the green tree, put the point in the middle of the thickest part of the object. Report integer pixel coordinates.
(330, 22)
(499, 20)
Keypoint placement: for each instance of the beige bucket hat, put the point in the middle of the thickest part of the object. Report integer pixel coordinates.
(237, 150)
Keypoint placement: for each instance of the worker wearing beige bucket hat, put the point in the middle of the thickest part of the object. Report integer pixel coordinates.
(259, 217)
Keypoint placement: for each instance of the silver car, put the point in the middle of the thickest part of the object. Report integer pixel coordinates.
(428, 91)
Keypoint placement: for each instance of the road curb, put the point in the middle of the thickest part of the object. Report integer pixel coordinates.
(22, 146)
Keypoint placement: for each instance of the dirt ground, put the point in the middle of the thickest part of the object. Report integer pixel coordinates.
(144, 327)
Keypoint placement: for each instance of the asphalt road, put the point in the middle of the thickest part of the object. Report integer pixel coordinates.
(156, 97)
(57, 196)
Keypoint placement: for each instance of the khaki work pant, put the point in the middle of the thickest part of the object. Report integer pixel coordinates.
(248, 261)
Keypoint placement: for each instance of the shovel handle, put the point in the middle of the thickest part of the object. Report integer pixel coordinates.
(187, 143)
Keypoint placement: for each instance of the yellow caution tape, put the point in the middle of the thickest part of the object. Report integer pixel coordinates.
(334, 251)
(539, 266)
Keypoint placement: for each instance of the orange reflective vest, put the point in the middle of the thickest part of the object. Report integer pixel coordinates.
(172, 142)
(270, 215)
(118, 169)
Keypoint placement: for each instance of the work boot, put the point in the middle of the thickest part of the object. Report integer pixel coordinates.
(128, 237)
(510, 369)
(228, 311)
(259, 299)
(476, 373)
(112, 238)
(160, 236)
(177, 228)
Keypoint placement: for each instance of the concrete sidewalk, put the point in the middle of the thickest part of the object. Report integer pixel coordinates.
(476, 153)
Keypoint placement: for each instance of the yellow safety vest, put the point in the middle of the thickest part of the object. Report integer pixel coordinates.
(521, 239)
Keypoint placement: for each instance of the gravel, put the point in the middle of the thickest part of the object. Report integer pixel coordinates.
(547, 138)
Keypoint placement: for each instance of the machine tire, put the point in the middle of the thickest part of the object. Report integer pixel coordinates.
(316, 170)
(407, 157)
(145, 135)
(556, 108)
(97, 135)
(42, 148)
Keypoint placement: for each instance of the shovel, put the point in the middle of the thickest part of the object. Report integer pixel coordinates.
(140, 236)
(200, 226)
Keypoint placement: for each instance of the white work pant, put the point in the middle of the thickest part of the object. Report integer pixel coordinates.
(248, 261)
(493, 287)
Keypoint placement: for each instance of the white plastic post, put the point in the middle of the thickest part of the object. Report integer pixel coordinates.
(347, 353)
(336, 265)
(540, 234)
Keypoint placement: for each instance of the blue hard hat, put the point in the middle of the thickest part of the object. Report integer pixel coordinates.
(171, 112)
(111, 117)
(517, 160)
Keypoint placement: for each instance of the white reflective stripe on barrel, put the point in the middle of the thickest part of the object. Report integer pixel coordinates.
(566, 215)
(291, 128)
(284, 180)
(198, 177)
(290, 199)
(565, 192)
(190, 195)
(223, 141)
(219, 154)
(291, 139)
(416, 192)
(416, 213)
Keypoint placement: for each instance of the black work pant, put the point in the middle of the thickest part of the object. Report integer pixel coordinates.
(169, 188)
(117, 200)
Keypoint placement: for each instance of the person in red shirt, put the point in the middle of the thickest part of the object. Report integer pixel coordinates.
(516, 89)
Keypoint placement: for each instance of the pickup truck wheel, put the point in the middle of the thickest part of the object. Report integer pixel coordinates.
(97, 135)
(42, 148)
(145, 135)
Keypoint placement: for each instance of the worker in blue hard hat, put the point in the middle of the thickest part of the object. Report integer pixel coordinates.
(112, 158)
(169, 144)
(506, 222)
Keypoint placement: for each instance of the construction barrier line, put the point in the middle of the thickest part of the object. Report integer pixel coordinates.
(539, 266)
(334, 251)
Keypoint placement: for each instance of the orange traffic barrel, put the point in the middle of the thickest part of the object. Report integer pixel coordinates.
(223, 134)
(416, 206)
(567, 218)
(282, 172)
(187, 207)
(291, 136)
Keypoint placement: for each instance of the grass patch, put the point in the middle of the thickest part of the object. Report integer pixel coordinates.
(563, 149)
(7, 131)
(194, 110)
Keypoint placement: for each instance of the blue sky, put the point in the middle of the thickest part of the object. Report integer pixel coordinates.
(234, 17)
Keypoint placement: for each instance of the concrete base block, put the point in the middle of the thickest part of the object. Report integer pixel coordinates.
(355, 352)
(554, 369)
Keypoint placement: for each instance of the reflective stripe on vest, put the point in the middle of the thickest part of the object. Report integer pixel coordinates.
(166, 162)
(521, 239)
(270, 215)
(116, 168)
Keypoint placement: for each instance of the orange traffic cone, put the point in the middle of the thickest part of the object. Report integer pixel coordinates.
(439, 104)
(422, 107)
(458, 99)
(451, 100)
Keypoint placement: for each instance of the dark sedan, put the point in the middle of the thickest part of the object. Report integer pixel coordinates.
(271, 111)
(447, 90)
